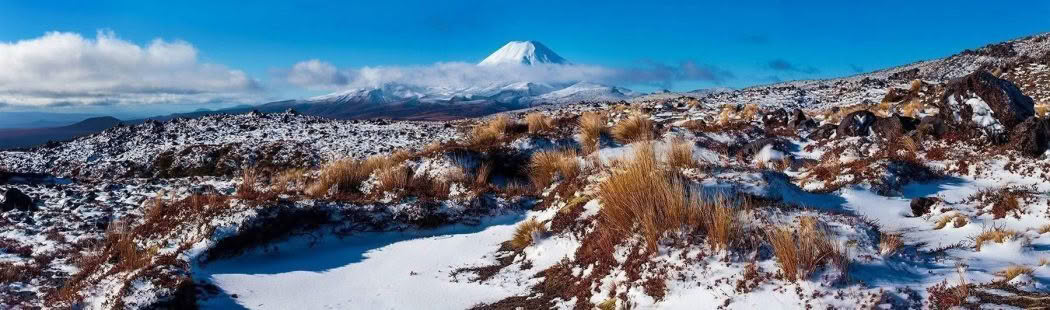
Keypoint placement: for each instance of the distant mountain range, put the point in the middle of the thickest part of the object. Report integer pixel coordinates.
(15, 138)
(400, 101)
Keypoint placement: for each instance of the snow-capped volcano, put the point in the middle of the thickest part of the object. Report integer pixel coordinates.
(523, 53)
(405, 101)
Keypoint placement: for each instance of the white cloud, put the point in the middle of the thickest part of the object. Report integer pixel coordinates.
(61, 68)
(316, 74)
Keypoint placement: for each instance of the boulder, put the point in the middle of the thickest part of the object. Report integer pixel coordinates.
(776, 118)
(921, 206)
(893, 126)
(825, 131)
(1030, 137)
(856, 124)
(15, 199)
(932, 126)
(986, 102)
(749, 150)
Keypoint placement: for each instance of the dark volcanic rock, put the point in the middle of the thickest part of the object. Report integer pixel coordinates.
(749, 150)
(1008, 105)
(921, 206)
(856, 124)
(1031, 137)
(893, 126)
(776, 118)
(823, 132)
(932, 126)
(15, 199)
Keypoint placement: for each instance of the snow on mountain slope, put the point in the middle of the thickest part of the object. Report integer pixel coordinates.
(523, 53)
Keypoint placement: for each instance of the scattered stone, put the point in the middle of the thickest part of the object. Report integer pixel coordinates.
(856, 124)
(921, 206)
(15, 199)
(776, 118)
(1031, 137)
(893, 126)
(823, 132)
(987, 102)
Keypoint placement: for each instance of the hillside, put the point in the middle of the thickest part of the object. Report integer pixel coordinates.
(918, 187)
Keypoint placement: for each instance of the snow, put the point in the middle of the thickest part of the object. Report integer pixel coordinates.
(365, 271)
(523, 53)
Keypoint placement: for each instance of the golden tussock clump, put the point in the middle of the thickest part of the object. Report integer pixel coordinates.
(996, 235)
(681, 154)
(491, 132)
(592, 125)
(1042, 110)
(889, 243)
(633, 129)
(644, 194)
(525, 234)
(1014, 271)
(290, 180)
(344, 176)
(539, 123)
(957, 220)
(544, 166)
(799, 253)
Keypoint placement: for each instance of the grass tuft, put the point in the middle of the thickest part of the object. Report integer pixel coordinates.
(545, 166)
(633, 129)
(539, 123)
(592, 125)
(1014, 271)
(996, 235)
(681, 155)
(526, 233)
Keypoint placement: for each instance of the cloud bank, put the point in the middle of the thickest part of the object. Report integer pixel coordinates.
(320, 75)
(62, 69)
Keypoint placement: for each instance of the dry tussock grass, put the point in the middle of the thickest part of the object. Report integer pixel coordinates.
(525, 234)
(996, 235)
(910, 108)
(644, 194)
(545, 166)
(345, 176)
(1042, 109)
(290, 181)
(491, 133)
(633, 129)
(800, 253)
(1014, 271)
(721, 223)
(1043, 229)
(681, 155)
(957, 220)
(889, 243)
(592, 125)
(836, 117)
(539, 123)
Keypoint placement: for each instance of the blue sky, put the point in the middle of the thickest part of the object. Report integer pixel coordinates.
(753, 42)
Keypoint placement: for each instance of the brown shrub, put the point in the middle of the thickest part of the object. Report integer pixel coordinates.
(539, 123)
(524, 234)
(634, 129)
(592, 125)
